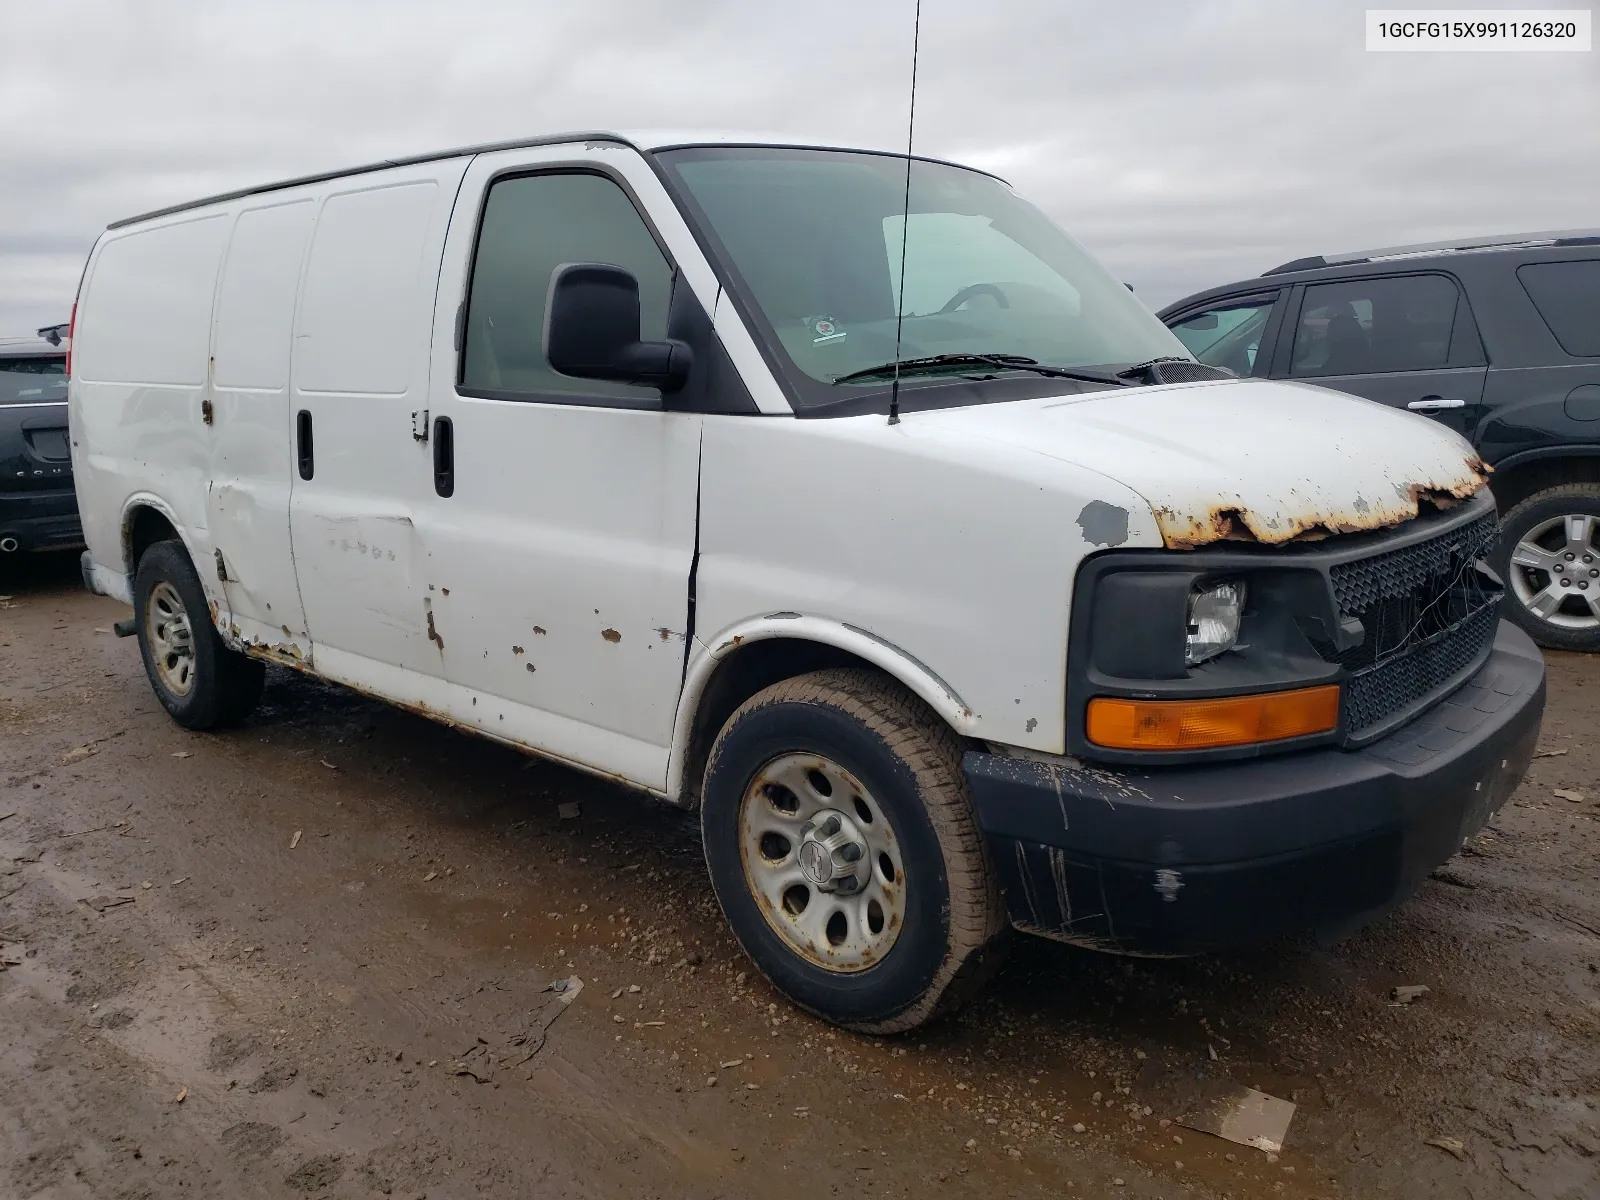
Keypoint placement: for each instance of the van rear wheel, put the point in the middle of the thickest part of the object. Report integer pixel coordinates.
(198, 679)
(839, 834)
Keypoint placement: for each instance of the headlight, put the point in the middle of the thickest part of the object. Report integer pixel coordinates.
(1214, 612)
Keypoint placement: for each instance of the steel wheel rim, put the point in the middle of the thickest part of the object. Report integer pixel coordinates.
(797, 819)
(1555, 571)
(171, 638)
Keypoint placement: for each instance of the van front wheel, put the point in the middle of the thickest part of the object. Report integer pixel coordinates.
(199, 681)
(839, 834)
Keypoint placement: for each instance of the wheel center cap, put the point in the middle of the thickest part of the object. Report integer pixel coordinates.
(816, 864)
(831, 849)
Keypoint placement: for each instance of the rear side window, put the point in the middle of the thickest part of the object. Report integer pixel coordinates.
(1567, 295)
(1366, 326)
(1227, 335)
(33, 380)
(531, 225)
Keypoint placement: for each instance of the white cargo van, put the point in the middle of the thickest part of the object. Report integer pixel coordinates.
(582, 443)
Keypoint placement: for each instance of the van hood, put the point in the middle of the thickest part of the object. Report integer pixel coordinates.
(1244, 460)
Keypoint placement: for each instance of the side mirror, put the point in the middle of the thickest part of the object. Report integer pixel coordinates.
(591, 330)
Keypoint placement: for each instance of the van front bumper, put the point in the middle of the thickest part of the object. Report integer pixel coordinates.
(1189, 859)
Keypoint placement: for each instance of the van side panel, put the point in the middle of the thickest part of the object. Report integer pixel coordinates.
(358, 316)
(139, 376)
(252, 460)
(360, 369)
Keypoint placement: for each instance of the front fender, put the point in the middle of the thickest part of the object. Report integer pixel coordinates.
(705, 655)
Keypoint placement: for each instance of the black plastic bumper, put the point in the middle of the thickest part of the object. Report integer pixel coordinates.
(1185, 860)
(40, 520)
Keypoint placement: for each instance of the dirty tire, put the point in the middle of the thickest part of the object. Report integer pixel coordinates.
(954, 932)
(1537, 509)
(226, 685)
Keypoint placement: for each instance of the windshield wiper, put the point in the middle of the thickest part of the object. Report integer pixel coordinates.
(1006, 362)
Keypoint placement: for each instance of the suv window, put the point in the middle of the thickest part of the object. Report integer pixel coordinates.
(1567, 295)
(1363, 326)
(1229, 334)
(33, 380)
(531, 225)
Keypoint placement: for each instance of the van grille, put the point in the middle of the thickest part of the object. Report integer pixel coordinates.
(1429, 610)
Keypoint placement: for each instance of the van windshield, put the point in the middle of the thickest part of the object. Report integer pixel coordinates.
(813, 240)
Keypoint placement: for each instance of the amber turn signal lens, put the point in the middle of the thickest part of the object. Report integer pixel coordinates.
(1204, 724)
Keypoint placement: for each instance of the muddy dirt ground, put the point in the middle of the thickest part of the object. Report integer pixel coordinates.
(327, 973)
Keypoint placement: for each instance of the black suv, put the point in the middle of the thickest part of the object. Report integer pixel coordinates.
(1498, 338)
(38, 510)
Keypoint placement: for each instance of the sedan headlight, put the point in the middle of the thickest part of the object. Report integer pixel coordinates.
(1214, 612)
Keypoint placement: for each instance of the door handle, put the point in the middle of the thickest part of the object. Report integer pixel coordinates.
(1435, 404)
(444, 456)
(302, 444)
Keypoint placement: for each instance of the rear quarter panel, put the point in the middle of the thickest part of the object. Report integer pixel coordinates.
(140, 361)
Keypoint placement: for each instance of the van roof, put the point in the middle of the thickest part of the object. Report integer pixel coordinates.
(643, 140)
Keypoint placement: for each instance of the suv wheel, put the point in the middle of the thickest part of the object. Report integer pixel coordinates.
(840, 838)
(198, 680)
(1549, 555)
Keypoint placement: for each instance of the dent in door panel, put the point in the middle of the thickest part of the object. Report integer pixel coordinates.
(373, 556)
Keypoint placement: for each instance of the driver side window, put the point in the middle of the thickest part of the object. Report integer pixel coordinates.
(531, 225)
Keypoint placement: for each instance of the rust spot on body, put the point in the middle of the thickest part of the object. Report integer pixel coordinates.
(433, 634)
(516, 650)
(611, 635)
(286, 655)
(1224, 523)
(531, 668)
(539, 629)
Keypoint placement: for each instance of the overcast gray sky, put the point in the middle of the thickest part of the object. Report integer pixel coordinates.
(1186, 143)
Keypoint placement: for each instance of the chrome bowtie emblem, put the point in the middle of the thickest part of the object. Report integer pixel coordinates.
(815, 863)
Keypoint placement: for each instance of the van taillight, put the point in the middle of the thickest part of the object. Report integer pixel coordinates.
(72, 328)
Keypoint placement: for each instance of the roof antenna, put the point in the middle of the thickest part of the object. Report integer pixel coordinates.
(905, 222)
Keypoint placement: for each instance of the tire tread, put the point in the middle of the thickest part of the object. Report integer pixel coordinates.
(235, 682)
(932, 752)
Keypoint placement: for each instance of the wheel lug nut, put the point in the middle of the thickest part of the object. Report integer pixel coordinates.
(830, 827)
(1566, 583)
(851, 852)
